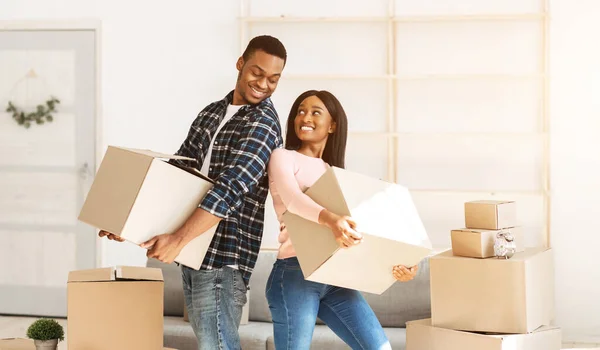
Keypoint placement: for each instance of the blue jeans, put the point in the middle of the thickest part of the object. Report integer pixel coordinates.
(214, 300)
(295, 304)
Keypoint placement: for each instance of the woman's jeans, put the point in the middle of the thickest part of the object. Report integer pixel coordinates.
(295, 304)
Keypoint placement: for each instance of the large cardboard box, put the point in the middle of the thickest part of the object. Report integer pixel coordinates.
(384, 213)
(421, 335)
(493, 295)
(478, 243)
(118, 308)
(490, 215)
(137, 195)
(16, 344)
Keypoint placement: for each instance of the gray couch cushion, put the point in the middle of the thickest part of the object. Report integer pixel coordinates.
(404, 301)
(324, 338)
(179, 335)
(173, 298)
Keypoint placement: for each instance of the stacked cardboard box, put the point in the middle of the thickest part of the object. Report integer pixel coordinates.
(482, 302)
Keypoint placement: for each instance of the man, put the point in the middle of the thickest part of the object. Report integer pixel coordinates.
(232, 139)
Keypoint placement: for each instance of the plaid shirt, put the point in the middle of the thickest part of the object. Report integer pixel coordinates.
(238, 165)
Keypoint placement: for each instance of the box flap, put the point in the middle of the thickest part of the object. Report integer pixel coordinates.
(378, 206)
(326, 191)
(138, 273)
(152, 154)
(116, 273)
(92, 275)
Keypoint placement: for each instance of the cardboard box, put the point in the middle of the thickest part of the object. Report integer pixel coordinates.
(118, 308)
(137, 196)
(384, 213)
(490, 215)
(245, 311)
(16, 344)
(421, 335)
(493, 295)
(478, 243)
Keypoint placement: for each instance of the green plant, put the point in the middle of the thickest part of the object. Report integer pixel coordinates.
(42, 114)
(45, 329)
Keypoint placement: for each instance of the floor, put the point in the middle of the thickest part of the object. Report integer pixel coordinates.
(15, 327)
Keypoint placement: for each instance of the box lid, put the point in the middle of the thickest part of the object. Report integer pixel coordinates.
(133, 273)
(427, 323)
(490, 202)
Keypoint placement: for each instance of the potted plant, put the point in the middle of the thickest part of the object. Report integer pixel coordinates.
(46, 334)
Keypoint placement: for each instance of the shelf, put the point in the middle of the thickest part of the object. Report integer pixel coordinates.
(397, 19)
(488, 192)
(283, 19)
(473, 17)
(336, 77)
(479, 76)
(403, 77)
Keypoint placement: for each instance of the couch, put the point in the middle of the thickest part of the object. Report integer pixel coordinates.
(401, 303)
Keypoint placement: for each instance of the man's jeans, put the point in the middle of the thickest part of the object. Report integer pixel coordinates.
(214, 299)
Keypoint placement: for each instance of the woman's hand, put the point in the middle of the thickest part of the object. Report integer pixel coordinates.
(403, 273)
(343, 228)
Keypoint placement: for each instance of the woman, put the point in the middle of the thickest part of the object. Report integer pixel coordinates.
(316, 139)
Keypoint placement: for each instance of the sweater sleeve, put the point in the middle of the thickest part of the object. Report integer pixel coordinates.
(282, 177)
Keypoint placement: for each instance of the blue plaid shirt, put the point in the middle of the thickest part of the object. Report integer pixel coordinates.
(238, 164)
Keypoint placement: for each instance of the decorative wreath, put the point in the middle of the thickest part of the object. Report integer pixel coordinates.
(42, 113)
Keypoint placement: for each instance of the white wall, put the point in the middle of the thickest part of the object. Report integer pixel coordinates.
(575, 130)
(161, 65)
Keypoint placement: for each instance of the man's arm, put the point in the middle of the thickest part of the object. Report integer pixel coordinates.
(244, 168)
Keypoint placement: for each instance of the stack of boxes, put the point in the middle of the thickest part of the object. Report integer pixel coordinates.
(482, 302)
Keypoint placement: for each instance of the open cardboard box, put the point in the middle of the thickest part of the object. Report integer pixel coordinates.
(117, 308)
(385, 214)
(137, 195)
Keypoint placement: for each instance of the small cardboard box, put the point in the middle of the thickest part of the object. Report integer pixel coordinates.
(118, 308)
(478, 243)
(421, 335)
(16, 344)
(490, 215)
(137, 196)
(493, 295)
(385, 214)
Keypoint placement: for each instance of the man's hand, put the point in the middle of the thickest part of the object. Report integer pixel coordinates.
(165, 247)
(403, 273)
(110, 236)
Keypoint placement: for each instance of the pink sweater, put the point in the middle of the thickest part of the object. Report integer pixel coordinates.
(290, 174)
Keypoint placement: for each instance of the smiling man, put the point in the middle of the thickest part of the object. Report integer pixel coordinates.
(232, 140)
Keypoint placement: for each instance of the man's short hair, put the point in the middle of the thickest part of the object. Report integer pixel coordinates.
(265, 43)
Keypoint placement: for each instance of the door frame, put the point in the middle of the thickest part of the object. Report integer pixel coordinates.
(94, 26)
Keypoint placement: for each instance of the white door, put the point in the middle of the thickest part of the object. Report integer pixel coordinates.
(45, 170)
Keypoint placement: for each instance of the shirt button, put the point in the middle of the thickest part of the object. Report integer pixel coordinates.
(210, 169)
(216, 143)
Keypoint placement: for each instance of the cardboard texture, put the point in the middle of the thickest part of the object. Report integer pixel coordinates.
(16, 344)
(137, 195)
(245, 311)
(384, 213)
(493, 295)
(490, 215)
(478, 243)
(117, 308)
(421, 335)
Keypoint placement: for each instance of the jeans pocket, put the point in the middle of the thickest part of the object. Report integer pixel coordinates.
(239, 289)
